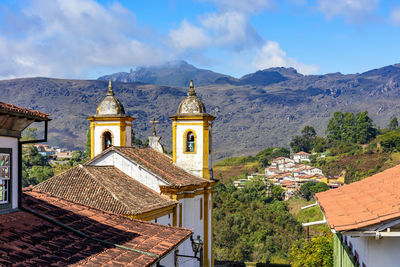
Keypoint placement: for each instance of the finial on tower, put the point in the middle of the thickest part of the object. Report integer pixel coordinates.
(110, 91)
(191, 90)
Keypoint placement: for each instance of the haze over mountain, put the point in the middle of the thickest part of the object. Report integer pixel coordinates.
(261, 109)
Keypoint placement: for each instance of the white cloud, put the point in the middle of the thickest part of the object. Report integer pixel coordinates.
(395, 16)
(188, 36)
(271, 55)
(352, 10)
(231, 29)
(243, 6)
(69, 38)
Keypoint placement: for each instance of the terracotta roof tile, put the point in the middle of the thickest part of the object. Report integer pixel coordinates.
(158, 163)
(12, 108)
(302, 153)
(367, 202)
(27, 239)
(105, 188)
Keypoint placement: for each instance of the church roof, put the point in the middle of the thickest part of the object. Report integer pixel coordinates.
(110, 105)
(192, 106)
(52, 231)
(105, 188)
(157, 163)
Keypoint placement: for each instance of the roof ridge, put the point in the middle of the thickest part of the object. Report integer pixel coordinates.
(153, 165)
(105, 188)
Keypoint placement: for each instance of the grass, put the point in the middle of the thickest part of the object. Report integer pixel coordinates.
(311, 214)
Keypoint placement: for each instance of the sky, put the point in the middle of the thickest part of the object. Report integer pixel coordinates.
(85, 39)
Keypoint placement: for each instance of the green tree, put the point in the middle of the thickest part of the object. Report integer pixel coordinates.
(305, 141)
(38, 174)
(390, 141)
(349, 128)
(77, 157)
(88, 150)
(35, 167)
(317, 252)
(309, 189)
(393, 124)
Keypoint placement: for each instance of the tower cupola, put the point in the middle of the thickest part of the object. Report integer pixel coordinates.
(191, 136)
(110, 126)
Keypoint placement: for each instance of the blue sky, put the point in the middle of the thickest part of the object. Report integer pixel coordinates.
(85, 39)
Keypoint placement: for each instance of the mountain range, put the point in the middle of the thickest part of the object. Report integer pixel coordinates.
(261, 109)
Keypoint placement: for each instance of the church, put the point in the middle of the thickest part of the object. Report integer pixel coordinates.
(145, 183)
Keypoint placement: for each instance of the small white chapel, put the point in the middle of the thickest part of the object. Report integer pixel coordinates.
(145, 183)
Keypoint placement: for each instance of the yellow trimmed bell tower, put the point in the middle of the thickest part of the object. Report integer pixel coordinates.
(110, 126)
(191, 136)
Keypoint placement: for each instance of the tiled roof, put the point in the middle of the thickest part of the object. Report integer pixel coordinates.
(105, 188)
(14, 109)
(157, 163)
(302, 153)
(367, 202)
(29, 240)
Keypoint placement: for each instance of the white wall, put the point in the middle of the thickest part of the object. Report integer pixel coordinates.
(168, 260)
(11, 142)
(191, 162)
(131, 169)
(372, 252)
(164, 220)
(99, 130)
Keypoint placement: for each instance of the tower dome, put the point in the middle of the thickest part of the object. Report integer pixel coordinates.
(110, 105)
(191, 104)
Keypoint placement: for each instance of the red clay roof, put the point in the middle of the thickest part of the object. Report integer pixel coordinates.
(14, 109)
(105, 188)
(157, 163)
(367, 202)
(27, 239)
(302, 153)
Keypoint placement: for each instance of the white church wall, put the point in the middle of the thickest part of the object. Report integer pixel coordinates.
(192, 162)
(191, 220)
(12, 143)
(164, 220)
(168, 260)
(131, 169)
(128, 136)
(99, 130)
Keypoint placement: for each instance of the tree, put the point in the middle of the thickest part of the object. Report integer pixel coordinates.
(349, 128)
(88, 150)
(390, 141)
(309, 189)
(77, 157)
(305, 141)
(317, 252)
(393, 124)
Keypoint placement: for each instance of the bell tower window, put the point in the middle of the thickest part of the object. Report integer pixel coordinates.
(190, 141)
(107, 140)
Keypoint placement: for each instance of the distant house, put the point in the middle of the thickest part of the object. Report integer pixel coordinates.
(301, 156)
(365, 219)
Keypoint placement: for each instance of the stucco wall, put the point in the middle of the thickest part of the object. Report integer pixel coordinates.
(192, 162)
(131, 169)
(373, 252)
(10, 142)
(99, 130)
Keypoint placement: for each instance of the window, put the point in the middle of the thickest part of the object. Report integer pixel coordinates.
(5, 177)
(201, 208)
(107, 140)
(190, 142)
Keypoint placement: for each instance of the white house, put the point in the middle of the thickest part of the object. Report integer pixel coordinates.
(365, 219)
(301, 156)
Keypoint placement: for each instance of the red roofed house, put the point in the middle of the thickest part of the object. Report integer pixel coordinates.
(145, 183)
(301, 156)
(365, 218)
(37, 229)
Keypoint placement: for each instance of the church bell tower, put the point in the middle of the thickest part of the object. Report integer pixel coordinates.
(191, 136)
(110, 126)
